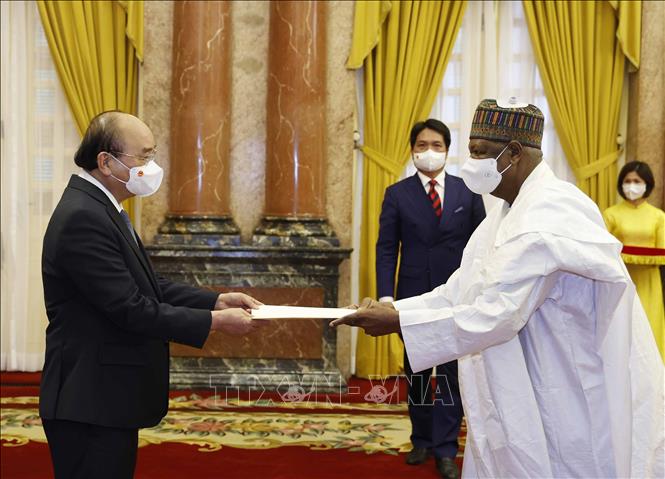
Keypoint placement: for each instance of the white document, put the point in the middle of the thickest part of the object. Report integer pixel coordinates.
(299, 312)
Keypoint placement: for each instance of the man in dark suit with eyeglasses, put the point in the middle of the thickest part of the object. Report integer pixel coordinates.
(106, 372)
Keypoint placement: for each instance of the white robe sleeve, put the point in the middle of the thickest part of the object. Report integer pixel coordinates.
(439, 297)
(515, 282)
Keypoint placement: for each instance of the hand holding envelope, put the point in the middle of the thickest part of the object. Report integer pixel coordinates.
(236, 300)
(377, 319)
(232, 314)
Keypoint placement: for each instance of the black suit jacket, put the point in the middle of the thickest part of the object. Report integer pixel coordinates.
(110, 317)
(431, 248)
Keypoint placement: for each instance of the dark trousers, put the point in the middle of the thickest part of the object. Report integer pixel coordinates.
(81, 450)
(436, 416)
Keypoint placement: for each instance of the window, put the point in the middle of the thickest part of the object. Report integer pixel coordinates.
(38, 142)
(492, 58)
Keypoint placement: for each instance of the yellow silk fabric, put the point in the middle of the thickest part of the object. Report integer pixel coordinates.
(96, 47)
(581, 49)
(404, 48)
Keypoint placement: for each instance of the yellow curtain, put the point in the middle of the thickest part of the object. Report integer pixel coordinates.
(581, 49)
(96, 47)
(404, 47)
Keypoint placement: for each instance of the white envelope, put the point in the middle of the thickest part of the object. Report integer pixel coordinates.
(299, 312)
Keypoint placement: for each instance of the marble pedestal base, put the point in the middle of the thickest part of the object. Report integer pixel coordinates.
(295, 232)
(198, 230)
(230, 376)
(294, 353)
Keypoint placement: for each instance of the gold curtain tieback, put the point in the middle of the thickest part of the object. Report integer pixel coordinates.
(382, 160)
(587, 171)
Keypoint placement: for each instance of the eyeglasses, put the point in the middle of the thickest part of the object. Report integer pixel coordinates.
(144, 159)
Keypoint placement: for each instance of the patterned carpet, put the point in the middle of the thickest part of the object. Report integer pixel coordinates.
(214, 426)
(211, 432)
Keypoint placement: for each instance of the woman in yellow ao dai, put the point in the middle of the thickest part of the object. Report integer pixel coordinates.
(641, 228)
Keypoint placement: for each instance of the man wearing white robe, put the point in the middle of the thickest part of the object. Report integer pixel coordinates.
(559, 372)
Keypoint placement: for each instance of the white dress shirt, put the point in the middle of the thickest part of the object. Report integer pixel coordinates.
(88, 177)
(440, 178)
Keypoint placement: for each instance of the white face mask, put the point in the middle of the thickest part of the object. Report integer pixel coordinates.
(143, 180)
(634, 191)
(481, 175)
(430, 160)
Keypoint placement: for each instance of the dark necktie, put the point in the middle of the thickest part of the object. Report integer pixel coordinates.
(128, 223)
(434, 198)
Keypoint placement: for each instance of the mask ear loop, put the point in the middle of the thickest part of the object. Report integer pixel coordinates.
(505, 169)
(113, 156)
(112, 175)
(499, 156)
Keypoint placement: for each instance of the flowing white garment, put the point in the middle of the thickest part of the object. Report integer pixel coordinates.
(559, 371)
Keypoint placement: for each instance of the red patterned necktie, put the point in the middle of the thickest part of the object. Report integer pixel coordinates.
(434, 198)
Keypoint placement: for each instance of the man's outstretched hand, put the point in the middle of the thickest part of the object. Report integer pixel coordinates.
(236, 300)
(377, 319)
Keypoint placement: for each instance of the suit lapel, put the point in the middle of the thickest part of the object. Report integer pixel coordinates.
(92, 190)
(422, 208)
(117, 219)
(152, 271)
(450, 200)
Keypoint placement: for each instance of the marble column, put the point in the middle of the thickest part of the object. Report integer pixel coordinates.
(286, 353)
(199, 206)
(295, 210)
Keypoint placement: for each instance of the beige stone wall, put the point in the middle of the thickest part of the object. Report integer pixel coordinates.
(156, 104)
(646, 111)
(248, 123)
(248, 112)
(340, 106)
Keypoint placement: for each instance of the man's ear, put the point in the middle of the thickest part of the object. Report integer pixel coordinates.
(516, 150)
(103, 159)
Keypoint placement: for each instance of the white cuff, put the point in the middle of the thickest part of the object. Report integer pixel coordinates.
(428, 337)
(414, 302)
(386, 299)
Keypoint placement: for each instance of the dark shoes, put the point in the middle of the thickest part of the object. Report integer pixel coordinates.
(447, 468)
(417, 456)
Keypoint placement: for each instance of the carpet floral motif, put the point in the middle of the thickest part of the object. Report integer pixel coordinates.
(211, 429)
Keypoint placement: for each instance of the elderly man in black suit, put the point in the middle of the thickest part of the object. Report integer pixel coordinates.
(106, 372)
